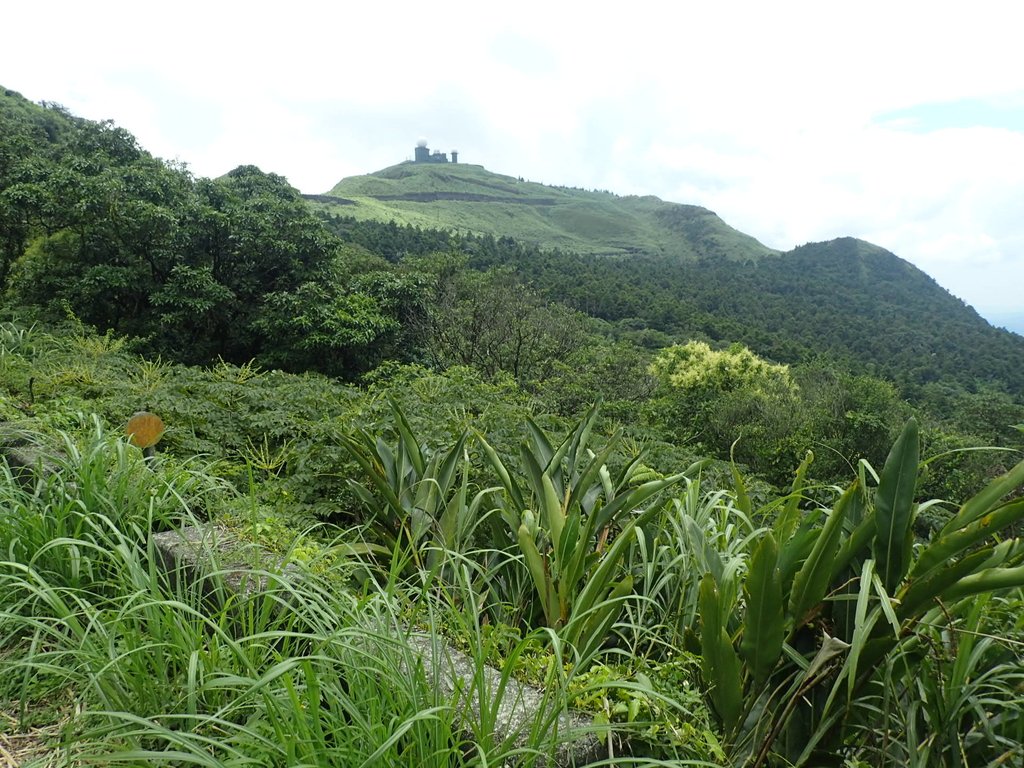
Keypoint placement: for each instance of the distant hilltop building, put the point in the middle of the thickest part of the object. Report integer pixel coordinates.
(424, 155)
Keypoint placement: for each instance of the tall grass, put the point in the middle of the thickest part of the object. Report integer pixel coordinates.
(305, 672)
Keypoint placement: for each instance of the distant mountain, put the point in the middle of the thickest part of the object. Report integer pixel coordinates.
(1011, 321)
(642, 263)
(468, 198)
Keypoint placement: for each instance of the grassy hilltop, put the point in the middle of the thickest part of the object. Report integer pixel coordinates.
(473, 200)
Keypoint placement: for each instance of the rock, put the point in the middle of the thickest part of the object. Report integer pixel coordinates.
(198, 553)
(28, 461)
(518, 709)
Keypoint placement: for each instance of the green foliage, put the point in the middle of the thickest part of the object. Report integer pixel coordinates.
(799, 589)
(562, 521)
(699, 371)
(236, 267)
(416, 500)
(732, 401)
(825, 630)
(495, 323)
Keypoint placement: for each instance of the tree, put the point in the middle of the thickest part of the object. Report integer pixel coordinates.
(497, 324)
(734, 402)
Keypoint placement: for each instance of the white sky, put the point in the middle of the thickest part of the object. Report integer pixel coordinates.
(899, 122)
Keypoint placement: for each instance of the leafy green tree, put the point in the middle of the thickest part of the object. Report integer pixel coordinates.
(497, 324)
(726, 398)
(848, 417)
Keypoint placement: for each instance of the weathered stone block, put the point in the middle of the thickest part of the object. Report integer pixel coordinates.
(27, 459)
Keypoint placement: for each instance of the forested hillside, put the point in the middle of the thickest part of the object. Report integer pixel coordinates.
(847, 300)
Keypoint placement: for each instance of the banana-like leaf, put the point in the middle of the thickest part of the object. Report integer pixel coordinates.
(637, 496)
(858, 543)
(575, 559)
(624, 476)
(372, 470)
(541, 580)
(918, 594)
(511, 488)
(863, 626)
(602, 576)
(577, 444)
(542, 446)
(988, 580)
(554, 515)
(980, 504)
(812, 581)
(448, 466)
(720, 663)
(763, 621)
(408, 441)
(794, 551)
(534, 471)
(451, 524)
(589, 479)
(894, 503)
(947, 546)
(600, 621)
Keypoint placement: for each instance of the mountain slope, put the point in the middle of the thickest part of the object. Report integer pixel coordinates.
(470, 199)
(681, 271)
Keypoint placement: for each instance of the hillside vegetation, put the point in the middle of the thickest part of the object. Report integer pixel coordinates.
(680, 270)
(742, 510)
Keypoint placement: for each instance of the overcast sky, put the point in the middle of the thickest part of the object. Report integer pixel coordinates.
(898, 122)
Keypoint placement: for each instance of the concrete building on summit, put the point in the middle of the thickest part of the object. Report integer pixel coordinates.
(424, 155)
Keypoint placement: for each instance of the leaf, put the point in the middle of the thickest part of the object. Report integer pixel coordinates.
(812, 581)
(862, 626)
(535, 564)
(919, 593)
(894, 501)
(739, 485)
(602, 576)
(408, 442)
(720, 664)
(859, 540)
(979, 504)
(499, 467)
(787, 520)
(603, 617)
(541, 444)
(637, 496)
(988, 580)
(763, 621)
(793, 552)
(554, 515)
(947, 546)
